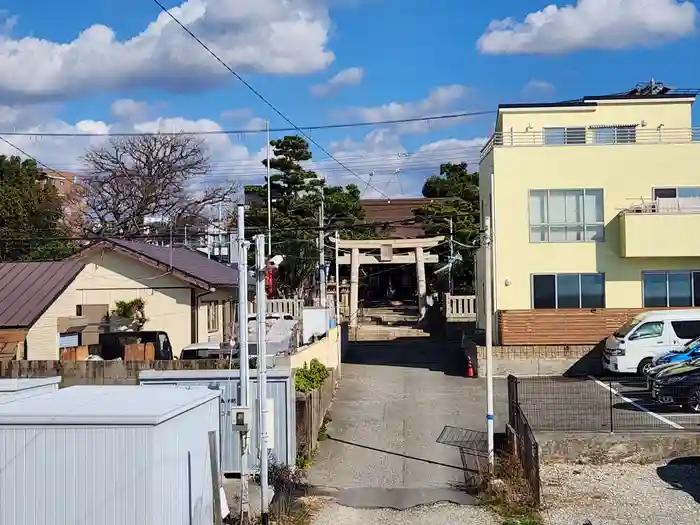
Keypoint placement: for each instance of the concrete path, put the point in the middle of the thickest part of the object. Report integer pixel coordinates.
(395, 399)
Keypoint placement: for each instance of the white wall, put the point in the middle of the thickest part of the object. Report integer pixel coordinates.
(111, 277)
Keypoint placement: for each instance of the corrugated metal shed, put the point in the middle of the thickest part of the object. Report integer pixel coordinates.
(120, 455)
(280, 389)
(14, 389)
(28, 289)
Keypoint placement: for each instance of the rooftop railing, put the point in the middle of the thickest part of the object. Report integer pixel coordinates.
(666, 205)
(591, 136)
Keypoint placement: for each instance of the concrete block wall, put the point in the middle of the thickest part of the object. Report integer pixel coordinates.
(537, 360)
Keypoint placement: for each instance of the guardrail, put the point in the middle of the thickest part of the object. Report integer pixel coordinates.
(591, 136)
(460, 308)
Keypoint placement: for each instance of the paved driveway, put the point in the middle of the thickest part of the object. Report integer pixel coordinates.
(394, 401)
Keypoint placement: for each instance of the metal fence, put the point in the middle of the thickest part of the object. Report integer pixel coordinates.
(594, 404)
(526, 446)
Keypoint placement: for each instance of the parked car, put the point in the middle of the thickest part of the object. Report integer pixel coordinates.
(633, 347)
(654, 372)
(687, 352)
(678, 386)
(208, 351)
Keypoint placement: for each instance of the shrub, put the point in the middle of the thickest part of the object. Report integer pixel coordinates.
(311, 376)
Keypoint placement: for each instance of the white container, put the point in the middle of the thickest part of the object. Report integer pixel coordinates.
(20, 388)
(113, 455)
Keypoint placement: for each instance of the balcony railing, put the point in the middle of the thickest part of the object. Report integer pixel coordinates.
(591, 136)
(666, 205)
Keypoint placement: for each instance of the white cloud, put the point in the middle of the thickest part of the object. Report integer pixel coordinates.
(537, 89)
(238, 158)
(592, 24)
(347, 77)
(231, 159)
(126, 109)
(266, 36)
(391, 169)
(439, 100)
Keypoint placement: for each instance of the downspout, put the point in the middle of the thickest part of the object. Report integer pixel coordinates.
(194, 314)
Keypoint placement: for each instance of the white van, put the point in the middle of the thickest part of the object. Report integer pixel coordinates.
(631, 348)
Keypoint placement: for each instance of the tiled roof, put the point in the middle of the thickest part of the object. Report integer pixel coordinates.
(379, 210)
(28, 289)
(190, 262)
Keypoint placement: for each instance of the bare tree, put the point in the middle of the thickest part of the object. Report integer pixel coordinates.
(132, 178)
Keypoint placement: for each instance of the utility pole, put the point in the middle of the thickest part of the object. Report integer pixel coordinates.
(243, 352)
(269, 192)
(321, 255)
(488, 291)
(261, 302)
(452, 255)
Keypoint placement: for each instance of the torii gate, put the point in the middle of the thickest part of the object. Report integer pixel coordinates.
(384, 251)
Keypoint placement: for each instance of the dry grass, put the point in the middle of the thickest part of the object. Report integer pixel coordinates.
(508, 493)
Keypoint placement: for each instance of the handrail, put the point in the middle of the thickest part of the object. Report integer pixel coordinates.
(665, 205)
(591, 136)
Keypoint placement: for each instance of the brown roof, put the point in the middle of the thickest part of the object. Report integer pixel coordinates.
(28, 289)
(190, 265)
(393, 212)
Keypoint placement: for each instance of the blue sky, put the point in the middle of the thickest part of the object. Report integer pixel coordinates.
(100, 66)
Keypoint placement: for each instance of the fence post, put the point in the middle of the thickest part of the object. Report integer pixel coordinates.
(611, 397)
(512, 399)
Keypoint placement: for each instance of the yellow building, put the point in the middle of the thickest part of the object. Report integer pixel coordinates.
(594, 205)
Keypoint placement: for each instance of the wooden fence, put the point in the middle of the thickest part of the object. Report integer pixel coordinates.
(560, 327)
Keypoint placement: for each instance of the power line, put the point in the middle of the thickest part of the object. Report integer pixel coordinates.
(176, 231)
(23, 152)
(257, 93)
(250, 131)
(359, 162)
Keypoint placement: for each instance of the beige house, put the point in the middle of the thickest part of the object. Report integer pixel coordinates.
(63, 304)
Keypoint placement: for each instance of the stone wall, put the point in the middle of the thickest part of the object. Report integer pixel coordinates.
(311, 410)
(601, 448)
(531, 360)
(101, 372)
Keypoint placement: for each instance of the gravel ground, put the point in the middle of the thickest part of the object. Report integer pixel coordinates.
(622, 494)
(440, 514)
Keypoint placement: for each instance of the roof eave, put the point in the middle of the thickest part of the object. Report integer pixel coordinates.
(142, 258)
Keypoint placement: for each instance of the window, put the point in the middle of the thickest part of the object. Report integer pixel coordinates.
(615, 135)
(649, 330)
(686, 329)
(566, 215)
(213, 316)
(561, 136)
(568, 290)
(678, 288)
(676, 193)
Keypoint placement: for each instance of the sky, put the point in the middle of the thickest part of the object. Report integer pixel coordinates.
(101, 66)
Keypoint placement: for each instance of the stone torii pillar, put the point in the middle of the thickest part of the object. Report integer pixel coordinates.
(420, 278)
(354, 284)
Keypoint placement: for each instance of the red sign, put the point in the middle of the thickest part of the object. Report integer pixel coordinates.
(269, 278)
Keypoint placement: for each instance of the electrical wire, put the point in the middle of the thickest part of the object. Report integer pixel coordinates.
(249, 230)
(260, 95)
(23, 152)
(249, 131)
(362, 160)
